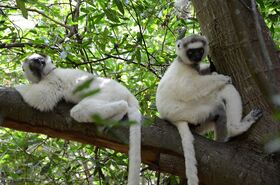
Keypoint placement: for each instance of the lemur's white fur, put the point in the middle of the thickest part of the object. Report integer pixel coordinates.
(113, 101)
(184, 96)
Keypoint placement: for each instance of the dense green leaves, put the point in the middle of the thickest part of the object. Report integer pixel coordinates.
(270, 10)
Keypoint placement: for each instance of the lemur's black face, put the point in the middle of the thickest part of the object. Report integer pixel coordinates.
(36, 66)
(192, 49)
(195, 54)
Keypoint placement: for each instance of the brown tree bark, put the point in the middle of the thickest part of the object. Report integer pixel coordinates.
(236, 51)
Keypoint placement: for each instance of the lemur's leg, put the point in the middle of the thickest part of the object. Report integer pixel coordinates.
(234, 112)
(221, 131)
(217, 121)
(252, 117)
(87, 108)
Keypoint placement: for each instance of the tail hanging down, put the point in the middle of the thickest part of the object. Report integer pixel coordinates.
(189, 153)
(134, 144)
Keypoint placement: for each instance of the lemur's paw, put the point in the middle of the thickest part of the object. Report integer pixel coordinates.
(225, 78)
(79, 115)
(256, 113)
(228, 79)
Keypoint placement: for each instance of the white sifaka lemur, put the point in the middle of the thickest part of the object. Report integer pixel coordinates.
(186, 95)
(48, 85)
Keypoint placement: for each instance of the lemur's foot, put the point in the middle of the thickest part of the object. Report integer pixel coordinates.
(256, 114)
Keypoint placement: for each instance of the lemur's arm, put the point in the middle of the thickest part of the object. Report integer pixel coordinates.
(205, 69)
(207, 84)
(40, 96)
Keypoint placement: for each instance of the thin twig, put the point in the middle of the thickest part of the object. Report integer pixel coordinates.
(108, 56)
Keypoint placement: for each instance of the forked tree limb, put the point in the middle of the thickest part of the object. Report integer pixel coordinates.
(218, 163)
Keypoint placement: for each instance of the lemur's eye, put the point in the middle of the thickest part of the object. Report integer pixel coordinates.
(40, 60)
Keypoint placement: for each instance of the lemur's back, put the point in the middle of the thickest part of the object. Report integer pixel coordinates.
(111, 89)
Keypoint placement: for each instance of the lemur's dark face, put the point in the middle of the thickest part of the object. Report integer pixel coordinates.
(195, 55)
(192, 49)
(36, 67)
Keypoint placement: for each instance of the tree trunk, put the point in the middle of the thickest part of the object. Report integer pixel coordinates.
(236, 51)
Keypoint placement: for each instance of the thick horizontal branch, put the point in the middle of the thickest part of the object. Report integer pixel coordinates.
(218, 163)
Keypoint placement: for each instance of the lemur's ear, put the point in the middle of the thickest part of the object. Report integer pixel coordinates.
(205, 39)
(179, 44)
(48, 58)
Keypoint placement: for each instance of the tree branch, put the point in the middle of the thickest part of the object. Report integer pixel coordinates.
(218, 163)
(41, 13)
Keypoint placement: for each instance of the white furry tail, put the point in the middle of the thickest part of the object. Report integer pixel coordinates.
(189, 153)
(134, 153)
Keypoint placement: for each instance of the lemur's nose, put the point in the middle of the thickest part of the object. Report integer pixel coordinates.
(39, 61)
(195, 55)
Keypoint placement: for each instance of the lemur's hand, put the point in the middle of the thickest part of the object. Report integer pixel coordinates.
(224, 78)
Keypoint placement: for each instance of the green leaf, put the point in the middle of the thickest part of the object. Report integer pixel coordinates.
(138, 55)
(261, 3)
(21, 6)
(119, 5)
(90, 93)
(45, 169)
(83, 86)
(111, 15)
(98, 17)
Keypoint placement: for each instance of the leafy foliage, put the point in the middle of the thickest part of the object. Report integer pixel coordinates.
(270, 10)
(127, 40)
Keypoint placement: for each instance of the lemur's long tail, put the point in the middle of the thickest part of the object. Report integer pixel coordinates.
(189, 153)
(134, 143)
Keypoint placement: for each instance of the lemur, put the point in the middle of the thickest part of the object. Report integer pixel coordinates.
(187, 95)
(48, 85)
